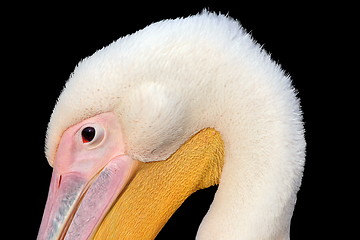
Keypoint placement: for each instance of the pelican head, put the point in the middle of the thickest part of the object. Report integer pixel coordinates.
(179, 106)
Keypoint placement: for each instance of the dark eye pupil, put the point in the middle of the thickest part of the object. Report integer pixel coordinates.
(88, 134)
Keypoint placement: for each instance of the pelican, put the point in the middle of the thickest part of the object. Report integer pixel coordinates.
(179, 106)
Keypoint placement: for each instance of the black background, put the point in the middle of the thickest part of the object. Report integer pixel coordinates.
(41, 45)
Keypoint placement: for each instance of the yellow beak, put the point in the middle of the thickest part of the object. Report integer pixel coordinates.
(159, 188)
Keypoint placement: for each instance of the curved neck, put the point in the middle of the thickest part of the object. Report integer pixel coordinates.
(264, 158)
(159, 188)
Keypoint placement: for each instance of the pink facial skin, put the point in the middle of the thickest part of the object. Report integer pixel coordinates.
(87, 177)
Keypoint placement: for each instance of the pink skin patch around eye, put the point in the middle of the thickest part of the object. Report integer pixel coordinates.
(86, 180)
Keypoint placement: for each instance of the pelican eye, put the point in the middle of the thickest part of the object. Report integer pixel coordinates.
(92, 135)
(88, 134)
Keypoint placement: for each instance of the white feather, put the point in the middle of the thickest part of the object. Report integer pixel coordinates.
(176, 77)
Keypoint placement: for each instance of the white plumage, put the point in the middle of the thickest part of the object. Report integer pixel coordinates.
(176, 77)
